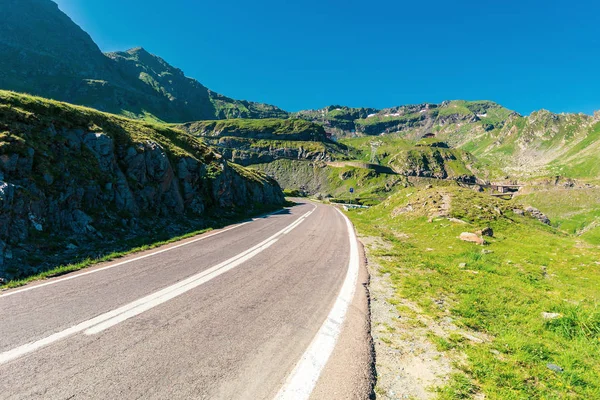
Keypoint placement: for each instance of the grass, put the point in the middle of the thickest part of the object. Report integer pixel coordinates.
(574, 210)
(252, 127)
(383, 120)
(456, 107)
(528, 269)
(332, 149)
(387, 146)
(38, 113)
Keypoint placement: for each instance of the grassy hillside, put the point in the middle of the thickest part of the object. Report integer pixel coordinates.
(477, 312)
(573, 210)
(541, 144)
(428, 158)
(257, 128)
(75, 182)
(329, 179)
(259, 141)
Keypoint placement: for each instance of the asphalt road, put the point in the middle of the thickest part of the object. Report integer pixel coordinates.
(227, 315)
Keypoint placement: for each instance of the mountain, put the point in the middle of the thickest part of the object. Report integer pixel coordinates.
(73, 177)
(43, 52)
(419, 119)
(540, 144)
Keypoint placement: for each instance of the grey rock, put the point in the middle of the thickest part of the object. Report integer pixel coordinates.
(102, 147)
(37, 224)
(554, 367)
(537, 214)
(73, 137)
(48, 178)
(132, 187)
(487, 232)
(549, 315)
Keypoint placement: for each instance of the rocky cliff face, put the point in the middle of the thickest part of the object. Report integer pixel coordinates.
(72, 176)
(248, 141)
(43, 52)
(434, 162)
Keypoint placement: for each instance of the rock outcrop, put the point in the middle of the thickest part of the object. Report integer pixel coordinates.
(76, 175)
(252, 141)
(537, 214)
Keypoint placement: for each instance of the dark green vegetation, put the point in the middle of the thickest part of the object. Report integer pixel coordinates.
(75, 180)
(43, 52)
(337, 120)
(487, 303)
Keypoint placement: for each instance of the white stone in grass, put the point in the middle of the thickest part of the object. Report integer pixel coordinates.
(551, 315)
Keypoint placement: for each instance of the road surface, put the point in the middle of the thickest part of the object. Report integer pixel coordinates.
(252, 311)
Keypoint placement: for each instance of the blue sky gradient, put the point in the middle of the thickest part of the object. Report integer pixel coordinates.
(525, 55)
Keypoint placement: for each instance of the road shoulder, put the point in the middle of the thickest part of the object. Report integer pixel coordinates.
(349, 373)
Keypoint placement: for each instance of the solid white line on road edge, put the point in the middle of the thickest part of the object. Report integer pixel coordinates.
(301, 382)
(111, 318)
(204, 236)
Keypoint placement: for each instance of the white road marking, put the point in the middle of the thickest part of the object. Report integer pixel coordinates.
(111, 318)
(78, 275)
(301, 382)
(173, 291)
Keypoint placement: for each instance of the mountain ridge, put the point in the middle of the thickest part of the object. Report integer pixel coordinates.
(72, 68)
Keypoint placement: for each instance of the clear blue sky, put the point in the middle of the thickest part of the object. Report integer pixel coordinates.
(523, 54)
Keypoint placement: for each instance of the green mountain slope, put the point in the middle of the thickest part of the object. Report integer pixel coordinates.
(43, 52)
(507, 143)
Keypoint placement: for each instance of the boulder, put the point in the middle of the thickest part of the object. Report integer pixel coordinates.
(537, 214)
(472, 237)
(486, 232)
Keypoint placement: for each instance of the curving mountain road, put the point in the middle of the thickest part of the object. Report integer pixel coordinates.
(252, 311)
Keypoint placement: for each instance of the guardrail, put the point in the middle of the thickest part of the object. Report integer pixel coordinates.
(351, 206)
